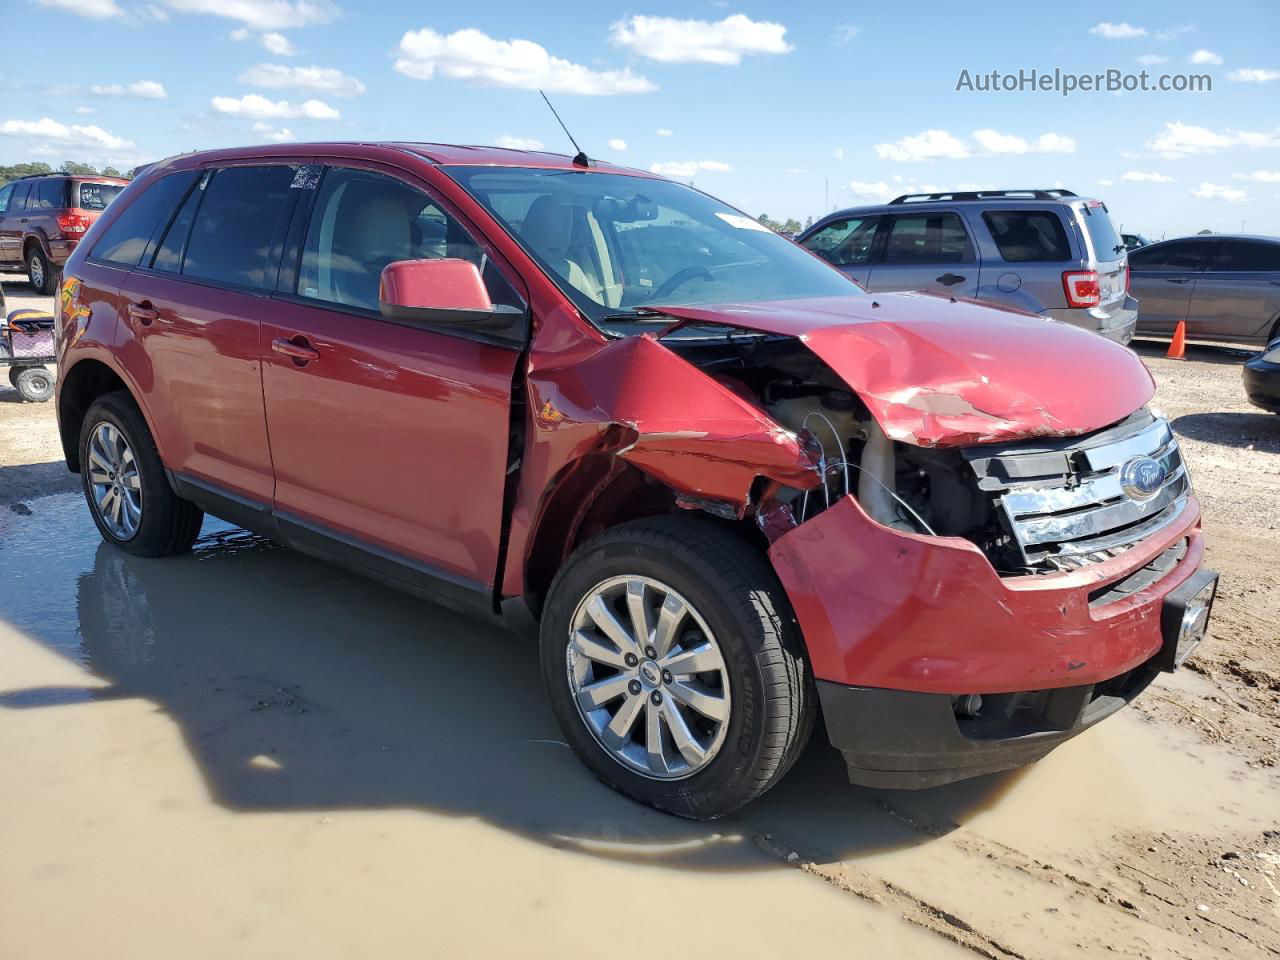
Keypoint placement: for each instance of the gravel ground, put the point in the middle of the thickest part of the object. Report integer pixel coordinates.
(1163, 840)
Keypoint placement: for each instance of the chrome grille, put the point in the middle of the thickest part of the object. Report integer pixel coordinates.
(1066, 505)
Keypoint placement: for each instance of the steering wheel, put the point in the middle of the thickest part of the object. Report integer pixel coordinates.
(678, 279)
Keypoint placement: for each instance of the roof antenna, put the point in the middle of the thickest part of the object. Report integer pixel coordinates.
(580, 159)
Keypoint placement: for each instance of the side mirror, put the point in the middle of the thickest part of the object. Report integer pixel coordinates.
(444, 291)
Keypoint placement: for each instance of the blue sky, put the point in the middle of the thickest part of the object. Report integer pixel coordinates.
(777, 108)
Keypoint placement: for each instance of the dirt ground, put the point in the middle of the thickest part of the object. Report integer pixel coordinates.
(247, 752)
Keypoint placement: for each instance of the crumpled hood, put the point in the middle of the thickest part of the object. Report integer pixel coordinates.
(940, 372)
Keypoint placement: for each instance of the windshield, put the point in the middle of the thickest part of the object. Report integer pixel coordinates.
(96, 196)
(616, 244)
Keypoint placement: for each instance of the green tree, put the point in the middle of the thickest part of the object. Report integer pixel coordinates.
(110, 171)
(22, 170)
(83, 169)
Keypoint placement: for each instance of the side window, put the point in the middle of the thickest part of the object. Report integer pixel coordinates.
(927, 238)
(845, 243)
(20, 193)
(5, 193)
(1028, 236)
(1246, 255)
(363, 221)
(232, 239)
(50, 194)
(127, 238)
(168, 256)
(1175, 256)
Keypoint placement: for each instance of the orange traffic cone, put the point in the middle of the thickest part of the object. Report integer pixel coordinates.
(1178, 348)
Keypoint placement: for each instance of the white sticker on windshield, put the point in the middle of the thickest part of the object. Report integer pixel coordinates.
(741, 222)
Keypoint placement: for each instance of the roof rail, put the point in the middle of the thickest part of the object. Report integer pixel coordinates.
(51, 173)
(971, 195)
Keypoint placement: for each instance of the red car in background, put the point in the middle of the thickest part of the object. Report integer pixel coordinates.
(44, 216)
(730, 486)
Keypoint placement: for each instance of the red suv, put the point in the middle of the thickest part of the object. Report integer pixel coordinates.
(44, 216)
(733, 488)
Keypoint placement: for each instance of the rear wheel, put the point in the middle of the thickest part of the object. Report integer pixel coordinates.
(674, 666)
(34, 384)
(125, 485)
(39, 271)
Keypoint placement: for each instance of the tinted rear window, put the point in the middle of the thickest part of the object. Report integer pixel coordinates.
(96, 196)
(1106, 243)
(52, 194)
(1246, 255)
(19, 199)
(231, 241)
(1027, 236)
(127, 238)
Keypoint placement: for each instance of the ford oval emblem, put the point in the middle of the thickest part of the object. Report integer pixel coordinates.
(1142, 477)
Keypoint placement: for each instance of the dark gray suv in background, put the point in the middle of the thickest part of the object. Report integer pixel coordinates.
(1048, 252)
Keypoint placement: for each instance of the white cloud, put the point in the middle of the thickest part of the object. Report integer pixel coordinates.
(1253, 75)
(723, 42)
(1139, 176)
(240, 33)
(278, 44)
(262, 14)
(1203, 56)
(73, 134)
(1152, 59)
(845, 32)
(838, 153)
(618, 146)
(928, 145)
(1106, 183)
(277, 76)
(1179, 139)
(878, 191)
(1172, 33)
(142, 89)
(992, 141)
(797, 171)
(274, 134)
(687, 168)
(85, 111)
(94, 9)
(517, 143)
(1214, 191)
(476, 56)
(1118, 31)
(259, 107)
(1260, 176)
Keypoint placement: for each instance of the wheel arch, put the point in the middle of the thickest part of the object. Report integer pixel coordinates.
(80, 387)
(35, 239)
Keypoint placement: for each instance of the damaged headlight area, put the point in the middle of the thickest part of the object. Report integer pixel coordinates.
(1041, 505)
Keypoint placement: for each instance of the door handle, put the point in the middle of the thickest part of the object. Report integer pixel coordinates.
(143, 312)
(947, 279)
(1177, 279)
(296, 348)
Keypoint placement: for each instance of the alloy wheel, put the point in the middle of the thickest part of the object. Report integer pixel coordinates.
(35, 271)
(115, 481)
(648, 677)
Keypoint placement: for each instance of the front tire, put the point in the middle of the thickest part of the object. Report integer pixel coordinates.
(674, 666)
(34, 384)
(124, 482)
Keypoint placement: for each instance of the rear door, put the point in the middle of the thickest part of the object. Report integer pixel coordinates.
(1162, 278)
(389, 439)
(926, 250)
(1237, 297)
(846, 243)
(6, 194)
(14, 222)
(195, 306)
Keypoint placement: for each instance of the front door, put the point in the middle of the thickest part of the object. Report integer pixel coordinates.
(387, 438)
(926, 251)
(846, 243)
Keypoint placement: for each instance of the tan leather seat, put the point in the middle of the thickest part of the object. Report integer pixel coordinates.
(548, 230)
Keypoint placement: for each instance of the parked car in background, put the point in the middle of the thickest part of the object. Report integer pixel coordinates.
(1132, 241)
(44, 216)
(1048, 252)
(1262, 378)
(1225, 287)
(727, 482)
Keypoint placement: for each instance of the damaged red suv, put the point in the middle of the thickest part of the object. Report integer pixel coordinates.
(735, 490)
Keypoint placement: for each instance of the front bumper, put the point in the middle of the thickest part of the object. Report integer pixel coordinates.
(1117, 325)
(900, 740)
(1262, 384)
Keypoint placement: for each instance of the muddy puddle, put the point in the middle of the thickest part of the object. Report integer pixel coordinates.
(245, 751)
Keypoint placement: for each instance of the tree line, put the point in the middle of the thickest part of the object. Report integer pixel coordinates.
(17, 170)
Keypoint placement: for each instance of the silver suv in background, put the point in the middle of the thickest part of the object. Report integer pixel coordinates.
(1048, 252)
